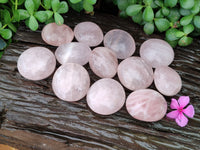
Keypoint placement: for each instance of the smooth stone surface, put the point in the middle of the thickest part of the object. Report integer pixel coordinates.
(157, 52)
(73, 52)
(146, 105)
(103, 62)
(121, 42)
(134, 73)
(57, 35)
(167, 81)
(71, 82)
(106, 96)
(88, 33)
(36, 63)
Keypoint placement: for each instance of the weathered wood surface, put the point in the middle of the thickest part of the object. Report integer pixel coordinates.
(32, 117)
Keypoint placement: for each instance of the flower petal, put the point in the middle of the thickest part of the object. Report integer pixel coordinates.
(174, 104)
(189, 111)
(181, 120)
(183, 101)
(173, 114)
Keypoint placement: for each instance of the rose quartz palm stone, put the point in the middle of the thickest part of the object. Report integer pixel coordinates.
(134, 73)
(121, 42)
(103, 62)
(57, 35)
(157, 52)
(146, 105)
(88, 33)
(71, 82)
(73, 52)
(167, 81)
(36, 63)
(106, 96)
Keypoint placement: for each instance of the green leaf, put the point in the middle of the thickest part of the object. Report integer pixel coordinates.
(58, 19)
(137, 18)
(185, 41)
(187, 4)
(122, 4)
(133, 9)
(188, 28)
(147, 2)
(184, 12)
(131, 2)
(87, 6)
(123, 14)
(12, 27)
(1, 53)
(37, 4)
(16, 16)
(75, 1)
(148, 28)
(63, 8)
(148, 14)
(186, 20)
(30, 6)
(47, 4)
(195, 9)
(172, 43)
(41, 16)
(77, 7)
(6, 15)
(197, 21)
(0, 24)
(2, 44)
(32, 23)
(3, 1)
(49, 13)
(170, 34)
(162, 24)
(92, 2)
(165, 11)
(50, 20)
(6, 33)
(174, 15)
(179, 34)
(153, 5)
(159, 14)
(159, 2)
(170, 3)
(55, 4)
(23, 14)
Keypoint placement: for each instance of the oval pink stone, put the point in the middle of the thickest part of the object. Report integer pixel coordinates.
(121, 42)
(146, 105)
(88, 33)
(106, 96)
(167, 81)
(157, 52)
(57, 35)
(36, 63)
(134, 73)
(71, 82)
(73, 52)
(103, 62)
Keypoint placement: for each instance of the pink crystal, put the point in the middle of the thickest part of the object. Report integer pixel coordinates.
(88, 33)
(36, 63)
(146, 105)
(74, 52)
(106, 96)
(157, 52)
(134, 73)
(167, 81)
(57, 35)
(103, 62)
(121, 42)
(71, 82)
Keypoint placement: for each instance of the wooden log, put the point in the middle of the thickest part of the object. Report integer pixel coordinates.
(32, 116)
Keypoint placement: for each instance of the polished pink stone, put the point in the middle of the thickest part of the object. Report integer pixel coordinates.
(57, 35)
(106, 96)
(167, 81)
(121, 42)
(88, 33)
(146, 105)
(71, 82)
(73, 52)
(36, 63)
(134, 73)
(103, 62)
(157, 52)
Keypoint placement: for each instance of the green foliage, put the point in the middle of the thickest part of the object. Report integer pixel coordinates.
(179, 19)
(34, 12)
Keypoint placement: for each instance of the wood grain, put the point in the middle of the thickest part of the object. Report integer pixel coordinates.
(32, 116)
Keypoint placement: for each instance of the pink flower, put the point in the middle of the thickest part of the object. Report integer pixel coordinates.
(180, 112)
